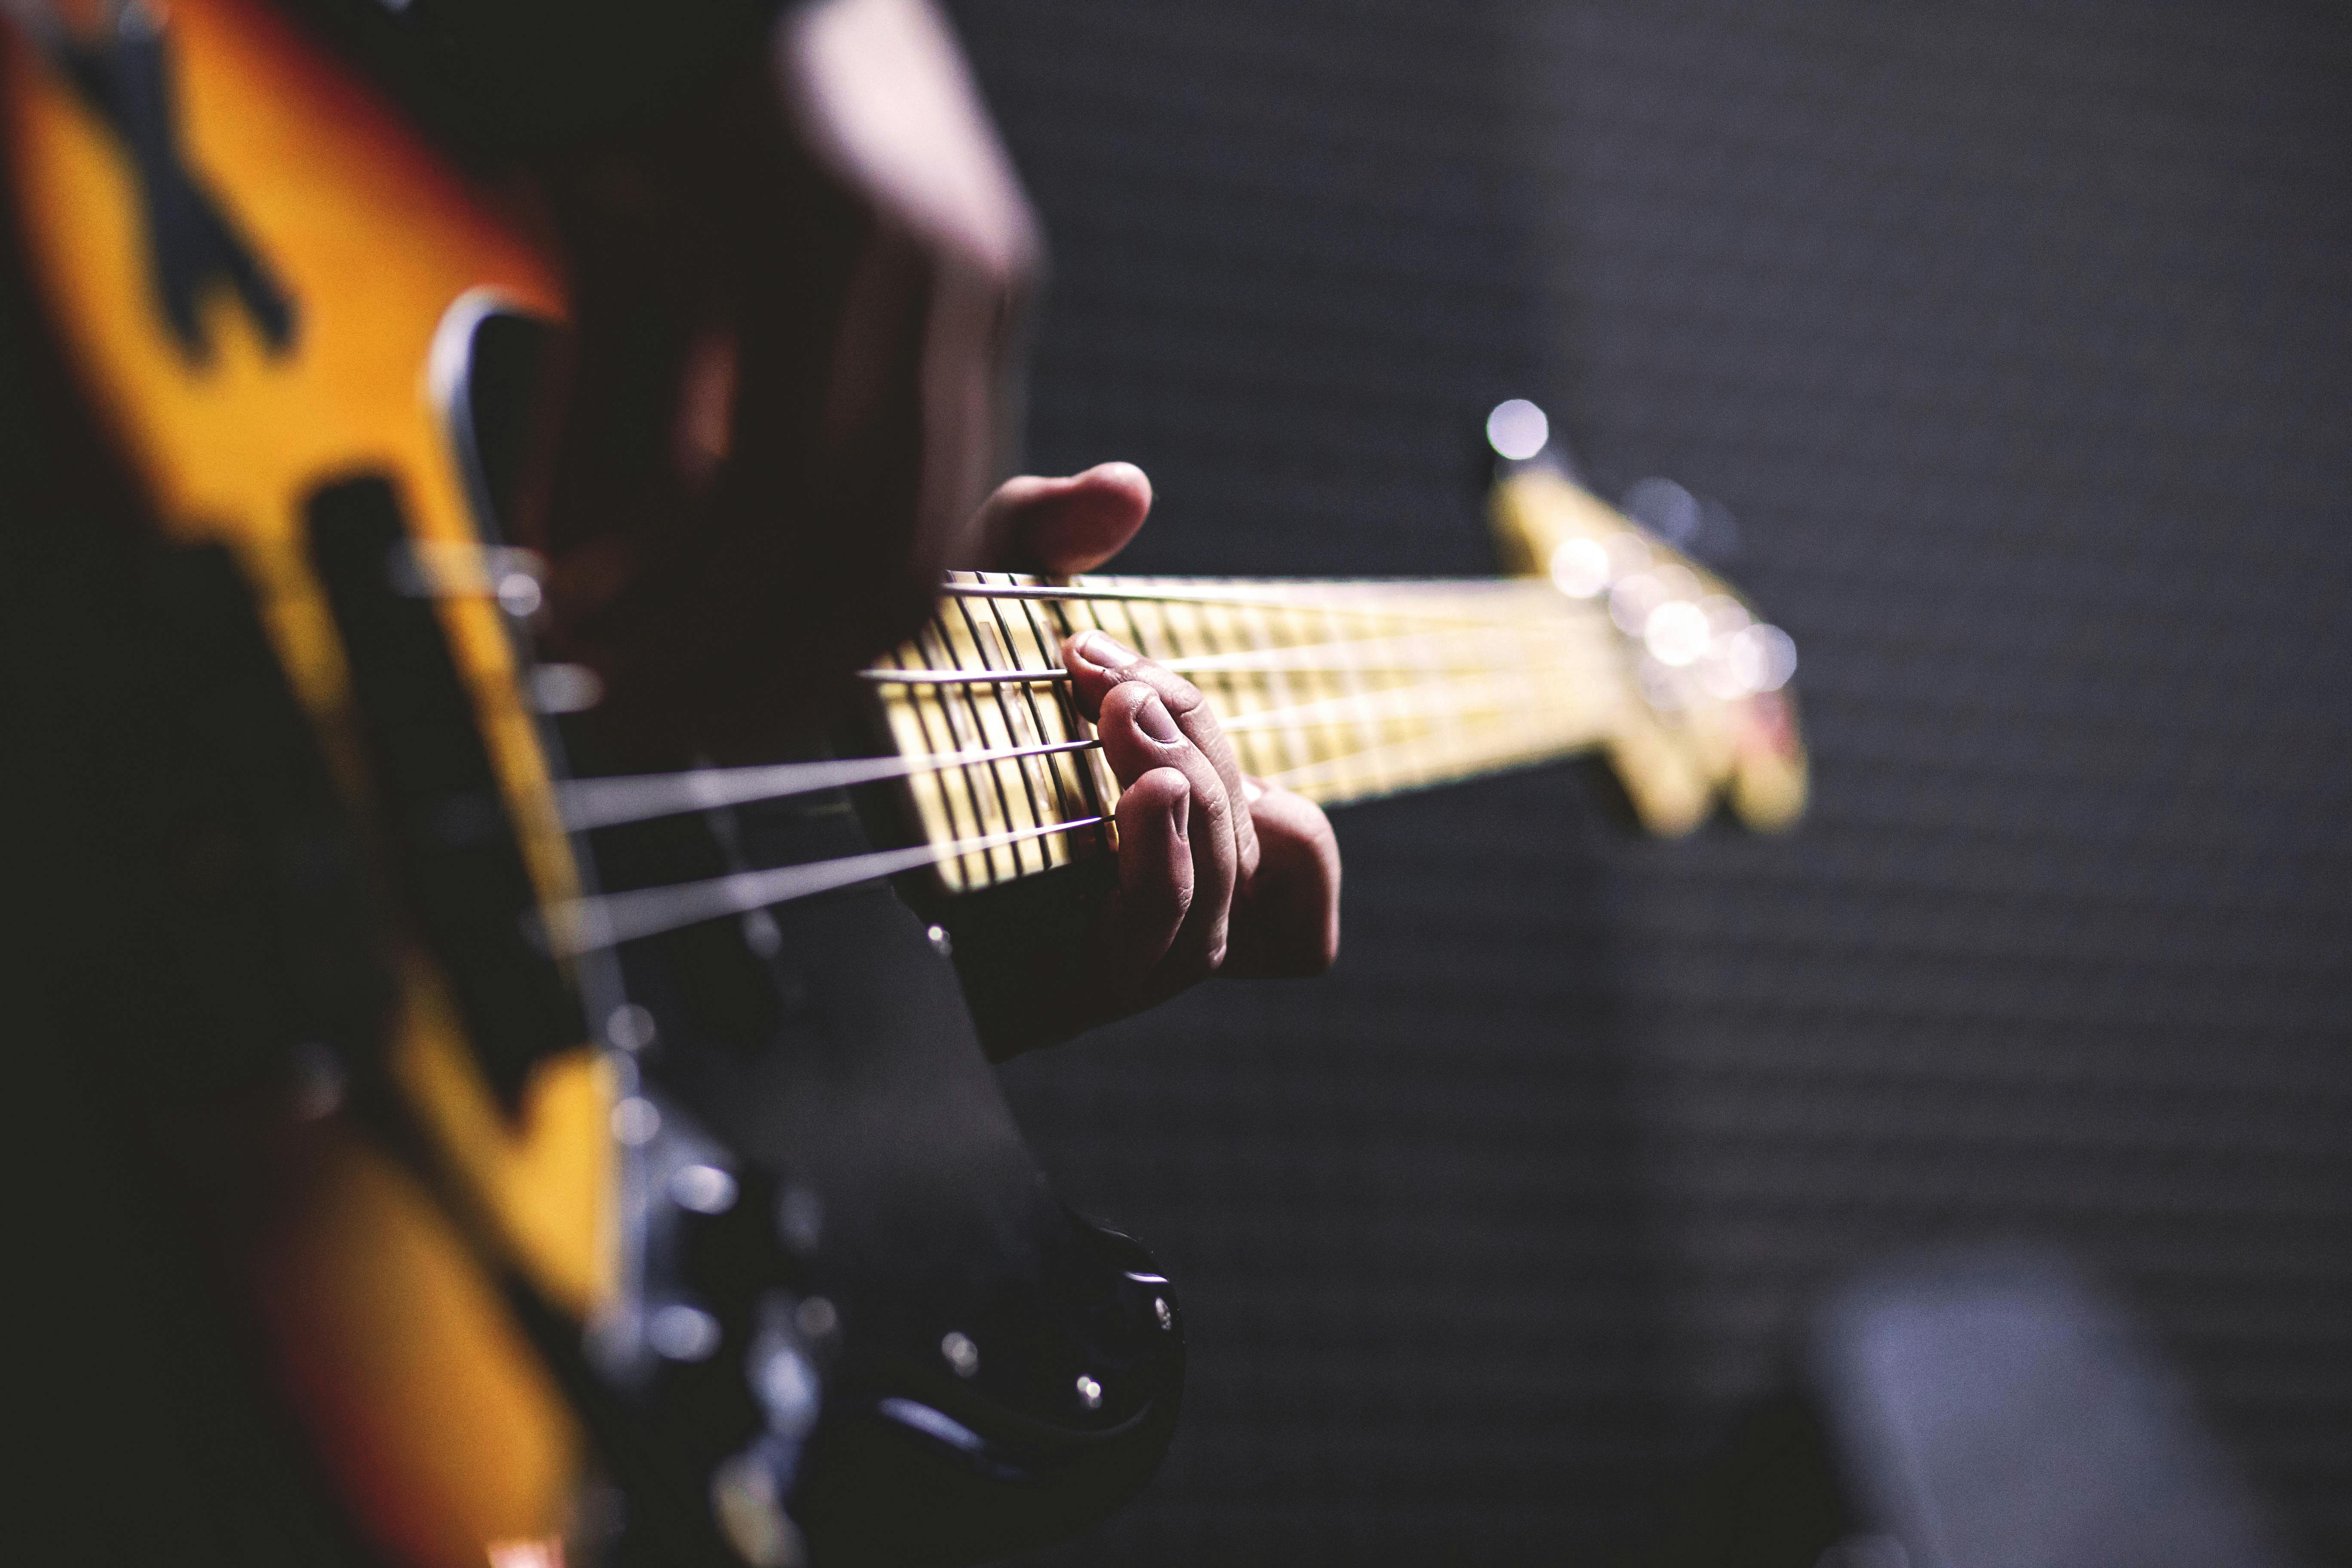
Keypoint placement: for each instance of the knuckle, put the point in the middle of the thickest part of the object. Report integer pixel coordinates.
(1121, 701)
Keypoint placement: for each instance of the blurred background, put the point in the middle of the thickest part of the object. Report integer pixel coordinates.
(2003, 352)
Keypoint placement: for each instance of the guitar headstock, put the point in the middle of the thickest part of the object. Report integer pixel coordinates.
(1712, 718)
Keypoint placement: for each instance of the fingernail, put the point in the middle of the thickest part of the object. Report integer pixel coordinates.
(1105, 651)
(1153, 718)
(1179, 816)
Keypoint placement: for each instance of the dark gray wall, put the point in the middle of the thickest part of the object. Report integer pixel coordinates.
(2018, 339)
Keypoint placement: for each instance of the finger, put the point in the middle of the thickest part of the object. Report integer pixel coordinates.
(1097, 661)
(1286, 919)
(1139, 735)
(1155, 879)
(1063, 526)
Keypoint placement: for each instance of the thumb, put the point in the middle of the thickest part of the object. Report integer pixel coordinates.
(1066, 525)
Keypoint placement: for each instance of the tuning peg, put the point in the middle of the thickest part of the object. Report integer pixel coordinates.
(1519, 435)
(1517, 430)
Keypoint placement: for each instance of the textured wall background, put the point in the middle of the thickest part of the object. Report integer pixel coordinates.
(2018, 341)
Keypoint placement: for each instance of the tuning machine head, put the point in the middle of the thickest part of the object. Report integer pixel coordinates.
(1708, 717)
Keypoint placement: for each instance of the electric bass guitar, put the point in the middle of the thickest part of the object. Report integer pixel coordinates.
(499, 1083)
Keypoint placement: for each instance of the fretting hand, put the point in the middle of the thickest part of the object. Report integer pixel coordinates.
(1218, 872)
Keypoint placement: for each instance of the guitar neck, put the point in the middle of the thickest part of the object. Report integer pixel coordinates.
(1607, 640)
(1338, 691)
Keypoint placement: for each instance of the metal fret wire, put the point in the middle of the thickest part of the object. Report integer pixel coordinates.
(992, 788)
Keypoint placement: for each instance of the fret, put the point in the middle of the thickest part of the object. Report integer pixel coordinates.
(1210, 637)
(1428, 755)
(1043, 713)
(1370, 735)
(1247, 690)
(1178, 628)
(1399, 728)
(1075, 616)
(1147, 618)
(1320, 742)
(1338, 735)
(1018, 798)
(937, 645)
(1086, 777)
(925, 719)
(942, 799)
(1186, 634)
(982, 789)
(1272, 689)
(1325, 784)
(1541, 699)
(1389, 719)
(1451, 729)
(1416, 733)
(1038, 713)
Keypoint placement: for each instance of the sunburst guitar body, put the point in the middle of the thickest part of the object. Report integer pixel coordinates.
(261, 426)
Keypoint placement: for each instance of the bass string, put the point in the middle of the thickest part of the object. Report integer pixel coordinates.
(584, 925)
(1437, 601)
(592, 802)
(606, 920)
(588, 924)
(602, 920)
(1343, 658)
